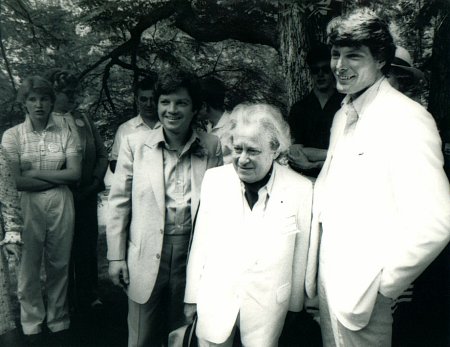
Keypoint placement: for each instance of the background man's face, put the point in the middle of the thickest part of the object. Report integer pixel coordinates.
(355, 68)
(146, 103)
(322, 76)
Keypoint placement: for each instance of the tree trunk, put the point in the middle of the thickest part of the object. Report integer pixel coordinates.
(293, 49)
(439, 101)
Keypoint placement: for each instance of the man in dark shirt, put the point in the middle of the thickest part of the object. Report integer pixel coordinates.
(310, 118)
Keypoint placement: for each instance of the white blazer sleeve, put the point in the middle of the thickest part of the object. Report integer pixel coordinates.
(302, 244)
(199, 248)
(422, 197)
(119, 205)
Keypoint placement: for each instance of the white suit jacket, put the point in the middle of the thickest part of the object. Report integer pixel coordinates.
(136, 205)
(393, 220)
(228, 262)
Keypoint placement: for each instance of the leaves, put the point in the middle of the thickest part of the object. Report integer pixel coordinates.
(111, 43)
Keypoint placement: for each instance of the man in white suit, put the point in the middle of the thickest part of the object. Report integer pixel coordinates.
(382, 201)
(152, 206)
(248, 259)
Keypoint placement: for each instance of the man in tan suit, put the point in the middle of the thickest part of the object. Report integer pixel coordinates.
(157, 186)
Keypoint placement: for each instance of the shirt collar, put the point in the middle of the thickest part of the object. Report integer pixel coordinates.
(267, 188)
(269, 185)
(29, 126)
(139, 121)
(365, 99)
(194, 142)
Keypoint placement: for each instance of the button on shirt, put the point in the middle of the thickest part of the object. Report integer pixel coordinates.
(45, 150)
(131, 126)
(177, 182)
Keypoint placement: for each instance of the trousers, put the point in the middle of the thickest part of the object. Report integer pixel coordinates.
(48, 232)
(149, 324)
(83, 280)
(377, 333)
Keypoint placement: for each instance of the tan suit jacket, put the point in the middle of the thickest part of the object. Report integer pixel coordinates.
(136, 211)
(230, 263)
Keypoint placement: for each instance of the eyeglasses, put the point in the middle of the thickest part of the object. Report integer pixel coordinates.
(316, 69)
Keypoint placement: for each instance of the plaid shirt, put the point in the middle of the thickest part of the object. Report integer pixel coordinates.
(46, 150)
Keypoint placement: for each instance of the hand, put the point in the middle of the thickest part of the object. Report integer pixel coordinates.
(95, 186)
(88, 191)
(189, 312)
(118, 272)
(299, 160)
(13, 250)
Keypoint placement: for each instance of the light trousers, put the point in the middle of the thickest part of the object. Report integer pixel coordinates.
(377, 333)
(149, 324)
(255, 331)
(48, 231)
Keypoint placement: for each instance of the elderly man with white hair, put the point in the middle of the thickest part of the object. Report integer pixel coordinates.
(248, 258)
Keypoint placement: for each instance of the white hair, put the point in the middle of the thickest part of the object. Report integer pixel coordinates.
(270, 119)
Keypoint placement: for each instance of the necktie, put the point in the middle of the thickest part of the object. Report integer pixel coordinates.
(352, 118)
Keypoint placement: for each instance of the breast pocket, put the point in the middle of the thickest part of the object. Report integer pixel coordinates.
(54, 151)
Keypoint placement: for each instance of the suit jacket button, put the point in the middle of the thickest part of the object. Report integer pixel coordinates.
(158, 256)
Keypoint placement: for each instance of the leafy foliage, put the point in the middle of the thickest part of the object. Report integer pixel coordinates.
(111, 44)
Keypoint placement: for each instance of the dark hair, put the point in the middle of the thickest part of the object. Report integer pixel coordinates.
(35, 84)
(363, 27)
(173, 79)
(62, 79)
(147, 83)
(318, 52)
(213, 92)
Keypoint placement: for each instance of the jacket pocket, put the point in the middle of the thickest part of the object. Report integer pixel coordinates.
(289, 225)
(283, 293)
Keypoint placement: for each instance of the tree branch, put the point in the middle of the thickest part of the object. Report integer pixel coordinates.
(159, 13)
(213, 22)
(5, 58)
(105, 86)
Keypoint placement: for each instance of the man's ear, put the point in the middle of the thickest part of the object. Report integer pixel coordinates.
(276, 154)
(203, 107)
(380, 64)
